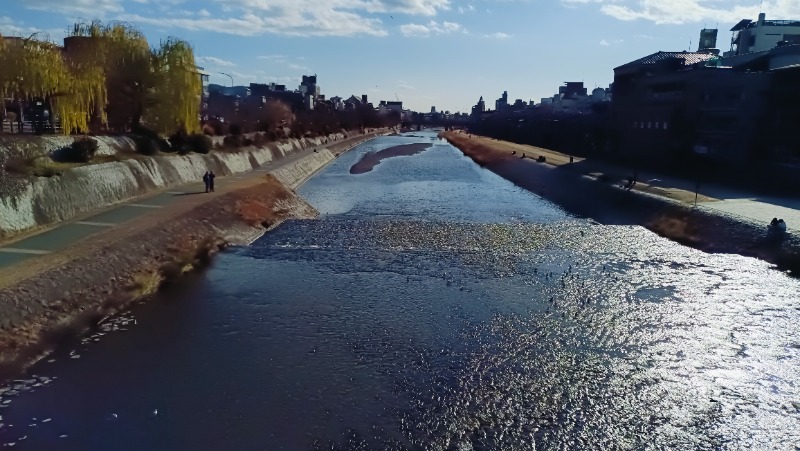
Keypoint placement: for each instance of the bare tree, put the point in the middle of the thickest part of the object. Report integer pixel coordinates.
(276, 114)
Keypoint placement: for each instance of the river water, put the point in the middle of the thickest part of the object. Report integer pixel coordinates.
(433, 306)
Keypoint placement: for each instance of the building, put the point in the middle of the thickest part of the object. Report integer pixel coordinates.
(572, 90)
(309, 87)
(337, 103)
(394, 106)
(519, 104)
(479, 108)
(762, 35)
(204, 77)
(235, 91)
(572, 99)
(672, 105)
(501, 103)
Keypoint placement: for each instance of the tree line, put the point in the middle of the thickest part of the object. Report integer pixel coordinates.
(107, 78)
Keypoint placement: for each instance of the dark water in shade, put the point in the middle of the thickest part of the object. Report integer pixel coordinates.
(434, 306)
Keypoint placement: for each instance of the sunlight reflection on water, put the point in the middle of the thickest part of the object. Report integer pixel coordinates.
(435, 306)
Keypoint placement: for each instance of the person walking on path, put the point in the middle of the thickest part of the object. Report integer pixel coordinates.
(211, 177)
(207, 180)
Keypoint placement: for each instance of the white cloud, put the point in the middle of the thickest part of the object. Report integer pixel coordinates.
(299, 67)
(287, 61)
(333, 23)
(214, 61)
(251, 17)
(466, 9)
(10, 27)
(431, 28)
(93, 8)
(607, 43)
(498, 35)
(300, 17)
(410, 7)
(404, 85)
(691, 11)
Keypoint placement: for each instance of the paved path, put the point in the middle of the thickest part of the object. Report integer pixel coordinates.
(730, 201)
(66, 233)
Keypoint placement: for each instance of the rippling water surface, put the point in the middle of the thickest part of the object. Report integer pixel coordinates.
(434, 306)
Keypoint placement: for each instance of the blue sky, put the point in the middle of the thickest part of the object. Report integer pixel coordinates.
(445, 53)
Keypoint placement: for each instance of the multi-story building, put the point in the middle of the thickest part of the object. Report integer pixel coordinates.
(670, 105)
(479, 107)
(572, 89)
(762, 35)
(501, 103)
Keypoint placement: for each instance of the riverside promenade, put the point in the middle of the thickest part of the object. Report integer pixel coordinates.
(34, 252)
(737, 204)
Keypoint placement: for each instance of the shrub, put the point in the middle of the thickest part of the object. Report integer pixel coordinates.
(145, 145)
(148, 142)
(235, 129)
(260, 139)
(232, 141)
(214, 127)
(82, 150)
(179, 143)
(271, 136)
(247, 142)
(199, 143)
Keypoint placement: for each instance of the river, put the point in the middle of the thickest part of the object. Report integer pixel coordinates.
(434, 306)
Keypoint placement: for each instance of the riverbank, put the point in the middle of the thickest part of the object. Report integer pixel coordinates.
(45, 299)
(29, 204)
(668, 213)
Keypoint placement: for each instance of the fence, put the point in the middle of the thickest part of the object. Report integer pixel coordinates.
(35, 127)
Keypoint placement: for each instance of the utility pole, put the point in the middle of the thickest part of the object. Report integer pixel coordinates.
(229, 76)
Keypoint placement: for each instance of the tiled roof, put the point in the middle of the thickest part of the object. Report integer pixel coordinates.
(688, 58)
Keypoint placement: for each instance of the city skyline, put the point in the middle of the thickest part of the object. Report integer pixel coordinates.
(427, 53)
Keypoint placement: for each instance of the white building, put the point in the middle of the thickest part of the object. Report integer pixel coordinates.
(762, 35)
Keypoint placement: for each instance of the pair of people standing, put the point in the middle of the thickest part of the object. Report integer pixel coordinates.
(208, 179)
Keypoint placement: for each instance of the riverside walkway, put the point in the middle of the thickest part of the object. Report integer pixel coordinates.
(169, 200)
(740, 204)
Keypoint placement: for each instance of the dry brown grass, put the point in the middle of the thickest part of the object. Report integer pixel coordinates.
(37, 166)
(481, 154)
(264, 210)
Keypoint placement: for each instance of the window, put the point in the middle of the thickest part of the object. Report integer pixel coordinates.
(666, 125)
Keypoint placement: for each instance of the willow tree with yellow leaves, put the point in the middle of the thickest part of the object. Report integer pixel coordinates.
(33, 70)
(106, 76)
(159, 88)
(178, 88)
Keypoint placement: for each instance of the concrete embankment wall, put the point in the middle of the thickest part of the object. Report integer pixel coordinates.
(294, 175)
(43, 201)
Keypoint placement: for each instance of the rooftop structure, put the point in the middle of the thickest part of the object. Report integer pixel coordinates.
(761, 35)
